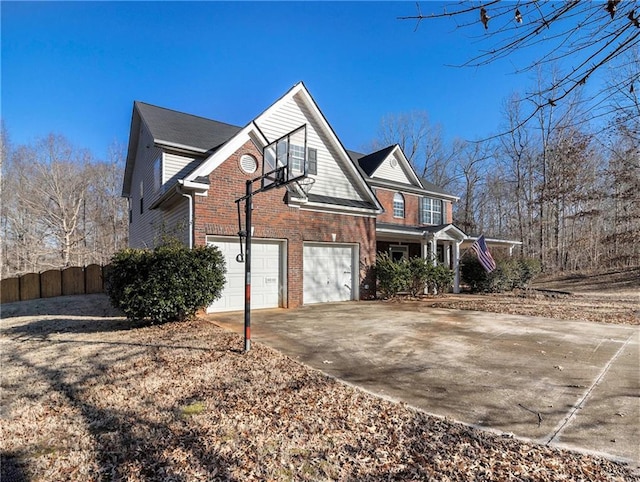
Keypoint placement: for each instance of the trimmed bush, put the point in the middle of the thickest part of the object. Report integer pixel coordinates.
(411, 276)
(441, 279)
(510, 273)
(168, 283)
(393, 276)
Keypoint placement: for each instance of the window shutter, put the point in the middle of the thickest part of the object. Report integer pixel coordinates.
(312, 161)
(421, 211)
(444, 211)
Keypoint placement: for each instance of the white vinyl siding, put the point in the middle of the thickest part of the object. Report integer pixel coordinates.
(331, 179)
(177, 167)
(389, 172)
(147, 228)
(141, 229)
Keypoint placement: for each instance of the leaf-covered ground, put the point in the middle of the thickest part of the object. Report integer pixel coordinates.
(579, 306)
(609, 296)
(84, 398)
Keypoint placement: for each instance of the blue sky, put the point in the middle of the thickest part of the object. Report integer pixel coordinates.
(75, 68)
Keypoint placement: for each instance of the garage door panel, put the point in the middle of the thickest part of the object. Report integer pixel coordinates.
(265, 276)
(327, 273)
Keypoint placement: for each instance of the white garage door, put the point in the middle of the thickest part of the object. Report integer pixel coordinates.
(265, 276)
(328, 273)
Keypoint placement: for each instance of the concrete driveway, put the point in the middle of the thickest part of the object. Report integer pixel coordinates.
(564, 383)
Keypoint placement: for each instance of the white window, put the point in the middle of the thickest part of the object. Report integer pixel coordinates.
(296, 157)
(157, 173)
(141, 197)
(431, 211)
(398, 205)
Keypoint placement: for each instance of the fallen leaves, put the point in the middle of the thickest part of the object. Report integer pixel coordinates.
(182, 402)
(592, 307)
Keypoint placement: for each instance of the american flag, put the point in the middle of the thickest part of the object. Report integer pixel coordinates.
(484, 256)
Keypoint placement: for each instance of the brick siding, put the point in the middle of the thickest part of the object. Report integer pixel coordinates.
(216, 214)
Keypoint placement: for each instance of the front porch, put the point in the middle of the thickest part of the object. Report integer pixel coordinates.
(441, 244)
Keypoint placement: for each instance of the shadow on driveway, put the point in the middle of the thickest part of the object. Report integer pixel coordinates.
(566, 383)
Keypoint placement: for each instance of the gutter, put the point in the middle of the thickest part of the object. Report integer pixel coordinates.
(190, 198)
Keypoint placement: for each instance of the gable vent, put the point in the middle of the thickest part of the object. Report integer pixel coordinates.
(248, 163)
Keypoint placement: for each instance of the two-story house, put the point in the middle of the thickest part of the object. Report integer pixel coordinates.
(417, 218)
(184, 173)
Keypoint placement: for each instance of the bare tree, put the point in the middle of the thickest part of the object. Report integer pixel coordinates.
(423, 144)
(60, 207)
(587, 35)
(471, 175)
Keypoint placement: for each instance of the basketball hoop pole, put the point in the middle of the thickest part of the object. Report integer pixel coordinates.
(247, 267)
(277, 176)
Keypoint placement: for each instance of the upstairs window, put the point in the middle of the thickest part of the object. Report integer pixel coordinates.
(398, 205)
(157, 173)
(296, 157)
(141, 197)
(291, 154)
(431, 211)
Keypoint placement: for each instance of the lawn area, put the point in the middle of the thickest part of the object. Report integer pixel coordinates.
(87, 397)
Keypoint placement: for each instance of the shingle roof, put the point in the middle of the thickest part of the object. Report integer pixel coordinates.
(429, 186)
(353, 203)
(187, 130)
(371, 162)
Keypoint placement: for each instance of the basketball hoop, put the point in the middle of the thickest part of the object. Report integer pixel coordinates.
(301, 187)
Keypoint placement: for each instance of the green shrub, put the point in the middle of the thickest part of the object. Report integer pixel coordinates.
(420, 273)
(472, 273)
(393, 276)
(411, 276)
(441, 278)
(510, 273)
(168, 283)
(529, 269)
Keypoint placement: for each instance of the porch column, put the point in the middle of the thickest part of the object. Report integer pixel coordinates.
(424, 246)
(447, 254)
(434, 250)
(456, 266)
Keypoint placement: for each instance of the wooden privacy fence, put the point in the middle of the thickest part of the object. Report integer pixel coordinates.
(55, 282)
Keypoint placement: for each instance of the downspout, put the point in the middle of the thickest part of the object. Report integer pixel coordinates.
(190, 198)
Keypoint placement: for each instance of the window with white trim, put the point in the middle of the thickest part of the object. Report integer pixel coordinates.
(431, 211)
(157, 173)
(398, 205)
(296, 157)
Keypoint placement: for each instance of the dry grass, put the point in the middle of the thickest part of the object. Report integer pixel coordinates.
(611, 296)
(86, 398)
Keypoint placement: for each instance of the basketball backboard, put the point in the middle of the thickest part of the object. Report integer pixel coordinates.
(285, 159)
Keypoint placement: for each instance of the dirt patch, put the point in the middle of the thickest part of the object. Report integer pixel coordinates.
(84, 397)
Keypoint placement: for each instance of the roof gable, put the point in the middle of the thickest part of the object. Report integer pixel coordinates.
(175, 130)
(269, 125)
(171, 128)
(389, 164)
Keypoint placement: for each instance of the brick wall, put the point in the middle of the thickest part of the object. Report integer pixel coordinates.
(411, 208)
(216, 214)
